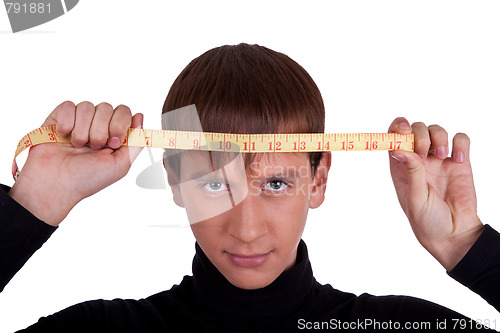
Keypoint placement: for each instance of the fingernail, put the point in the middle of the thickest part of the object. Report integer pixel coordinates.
(399, 158)
(441, 152)
(459, 157)
(404, 126)
(422, 156)
(114, 142)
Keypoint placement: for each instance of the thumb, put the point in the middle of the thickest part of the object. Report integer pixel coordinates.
(418, 190)
(126, 155)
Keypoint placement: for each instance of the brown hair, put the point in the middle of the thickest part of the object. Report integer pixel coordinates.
(249, 89)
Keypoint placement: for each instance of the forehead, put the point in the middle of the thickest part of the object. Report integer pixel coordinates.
(200, 162)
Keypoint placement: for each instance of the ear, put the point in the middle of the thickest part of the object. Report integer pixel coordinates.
(173, 181)
(319, 180)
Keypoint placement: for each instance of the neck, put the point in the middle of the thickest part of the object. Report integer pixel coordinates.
(220, 299)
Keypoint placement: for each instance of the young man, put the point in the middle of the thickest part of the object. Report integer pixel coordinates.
(251, 272)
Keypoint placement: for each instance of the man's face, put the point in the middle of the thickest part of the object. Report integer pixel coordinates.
(250, 221)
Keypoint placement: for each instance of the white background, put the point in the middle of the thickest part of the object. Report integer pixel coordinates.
(431, 61)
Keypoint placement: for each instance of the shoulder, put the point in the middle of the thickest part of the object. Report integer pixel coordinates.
(155, 313)
(175, 300)
(337, 304)
(113, 315)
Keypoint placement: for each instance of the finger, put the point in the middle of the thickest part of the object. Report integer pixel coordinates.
(120, 123)
(125, 156)
(439, 141)
(422, 140)
(84, 115)
(63, 117)
(133, 152)
(99, 130)
(461, 148)
(400, 125)
(137, 120)
(417, 184)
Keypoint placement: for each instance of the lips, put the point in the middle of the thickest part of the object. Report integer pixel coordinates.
(248, 260)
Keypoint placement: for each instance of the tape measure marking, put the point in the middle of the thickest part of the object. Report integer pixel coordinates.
(245, 143)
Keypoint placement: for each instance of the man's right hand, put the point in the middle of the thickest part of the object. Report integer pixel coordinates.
(56, 177)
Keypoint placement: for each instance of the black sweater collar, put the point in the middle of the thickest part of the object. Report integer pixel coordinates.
(222, 301)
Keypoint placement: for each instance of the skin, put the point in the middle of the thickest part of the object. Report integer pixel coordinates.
(72, 172)
(269, 220)
(435, 190)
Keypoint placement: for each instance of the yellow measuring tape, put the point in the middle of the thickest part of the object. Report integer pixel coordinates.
(245, 143)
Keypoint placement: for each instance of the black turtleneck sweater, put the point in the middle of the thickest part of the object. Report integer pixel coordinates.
(207, 302)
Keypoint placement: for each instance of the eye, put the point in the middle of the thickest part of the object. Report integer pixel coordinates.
(275, 186)
(215, 187)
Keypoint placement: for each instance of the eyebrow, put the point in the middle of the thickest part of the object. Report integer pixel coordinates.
(288, 174)
(203, 174)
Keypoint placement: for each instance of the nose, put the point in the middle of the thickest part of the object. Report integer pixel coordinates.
(248, 223)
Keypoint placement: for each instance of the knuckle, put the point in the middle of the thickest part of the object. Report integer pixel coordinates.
(104, 106)
(98, 140)
(79, 139)
(98, 135)
(67, 105)
(438, 131)
(424, 142)
(66, 110)
(462, 137)
(437, 128)
(85, 106)
(123, 107)
(442, 135)
(396, 121)
(120, 122)
(123, 113)
(64, 127)
(422, 146)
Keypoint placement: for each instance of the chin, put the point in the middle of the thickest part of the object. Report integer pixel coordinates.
(251, 280)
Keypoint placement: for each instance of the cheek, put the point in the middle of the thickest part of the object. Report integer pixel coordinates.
(297, 206)
(288, 216)
(299, 197)
(208, 233)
